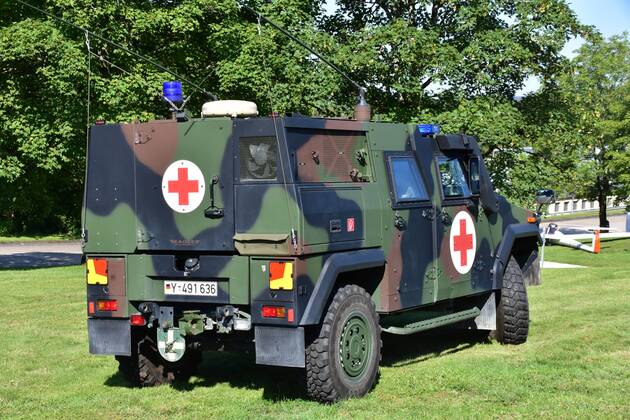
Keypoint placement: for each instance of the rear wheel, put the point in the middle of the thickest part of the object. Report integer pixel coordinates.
(342, 362)
(513, 307)
(146, 367)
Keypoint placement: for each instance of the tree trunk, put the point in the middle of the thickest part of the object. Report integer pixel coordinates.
(601, 199)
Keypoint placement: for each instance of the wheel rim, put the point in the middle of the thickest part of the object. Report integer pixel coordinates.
(355, 345)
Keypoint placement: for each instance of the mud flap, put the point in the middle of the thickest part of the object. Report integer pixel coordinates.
(487, 319)
(110, 336)
(278, 346)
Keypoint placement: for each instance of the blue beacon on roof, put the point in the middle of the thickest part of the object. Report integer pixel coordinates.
(173, 91)
(428, 129)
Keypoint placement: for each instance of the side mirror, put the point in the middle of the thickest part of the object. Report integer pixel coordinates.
(544, 197)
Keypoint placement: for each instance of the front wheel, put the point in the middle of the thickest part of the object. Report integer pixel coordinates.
(513, 307)
(342, 362)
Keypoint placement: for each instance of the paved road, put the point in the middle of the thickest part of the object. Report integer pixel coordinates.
(617, 221)
(40, 254)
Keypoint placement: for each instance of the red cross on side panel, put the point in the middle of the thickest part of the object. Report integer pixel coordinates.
(462, 243)
(183, 186)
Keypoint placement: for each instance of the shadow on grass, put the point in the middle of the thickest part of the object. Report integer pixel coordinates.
(403, 350)
(278, 383)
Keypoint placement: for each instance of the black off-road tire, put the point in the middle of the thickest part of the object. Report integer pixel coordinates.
(351, 315)
(513, 307)
(146, 367)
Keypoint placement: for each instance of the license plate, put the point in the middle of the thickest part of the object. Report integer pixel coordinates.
(191, 288)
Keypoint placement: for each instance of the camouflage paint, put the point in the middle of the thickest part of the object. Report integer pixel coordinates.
(332, 188)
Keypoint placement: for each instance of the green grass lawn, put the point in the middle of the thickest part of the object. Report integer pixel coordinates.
(576, 362)
(57, 237)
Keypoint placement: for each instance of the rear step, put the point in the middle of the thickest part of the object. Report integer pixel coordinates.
(439, 321)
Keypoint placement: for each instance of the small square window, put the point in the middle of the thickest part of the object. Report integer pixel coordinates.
(406, 180)
(258, 158)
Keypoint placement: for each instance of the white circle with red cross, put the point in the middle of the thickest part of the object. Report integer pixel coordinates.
(183, 186)
(463, 242)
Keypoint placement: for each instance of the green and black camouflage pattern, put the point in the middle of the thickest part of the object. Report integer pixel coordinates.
(319, 175)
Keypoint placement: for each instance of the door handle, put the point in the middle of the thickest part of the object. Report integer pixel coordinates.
(213, 212)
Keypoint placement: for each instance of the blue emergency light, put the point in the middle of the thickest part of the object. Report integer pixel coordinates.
(428, 129)
(173, 91)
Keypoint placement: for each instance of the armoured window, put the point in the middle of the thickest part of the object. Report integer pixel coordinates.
(452, 177)
(328, 155)
(406, 180)
(258, 158)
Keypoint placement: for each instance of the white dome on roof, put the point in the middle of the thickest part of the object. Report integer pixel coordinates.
(229, 109)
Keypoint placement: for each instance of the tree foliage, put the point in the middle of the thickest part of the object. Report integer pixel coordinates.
(455, 62)
(597, 87)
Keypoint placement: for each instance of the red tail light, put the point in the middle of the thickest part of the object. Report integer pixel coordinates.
(107, 305)
(274, 312)
(137, 320)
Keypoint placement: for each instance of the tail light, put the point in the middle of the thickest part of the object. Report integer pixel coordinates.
(274, 312)
(110, 305)
(137, 320)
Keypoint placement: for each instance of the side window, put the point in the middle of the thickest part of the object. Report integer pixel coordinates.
(454, 183)
(258, 158)
(406, 180)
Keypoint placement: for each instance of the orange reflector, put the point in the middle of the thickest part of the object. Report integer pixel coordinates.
(274, 312)
(531, 219)
(291, 316)
(136, 320)
(280, 275)
(90, 307)
(107, 305)
(96, 271)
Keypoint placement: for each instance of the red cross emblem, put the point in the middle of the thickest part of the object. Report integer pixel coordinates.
(183, 186)
(463, 242)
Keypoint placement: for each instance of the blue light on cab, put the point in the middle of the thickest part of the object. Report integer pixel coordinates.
(428, 129)
(173, 91)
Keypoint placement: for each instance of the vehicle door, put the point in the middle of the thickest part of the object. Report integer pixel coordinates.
(411, 254)
(184, 191)
(464, 248)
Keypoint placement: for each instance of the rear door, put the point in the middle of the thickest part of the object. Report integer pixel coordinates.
(184, 189)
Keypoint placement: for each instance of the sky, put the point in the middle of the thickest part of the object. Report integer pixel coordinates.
(610, 17)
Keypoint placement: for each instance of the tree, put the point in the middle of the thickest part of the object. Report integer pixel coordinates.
(456, 62)
(460, 63)
(598, 91)
(44, 80)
